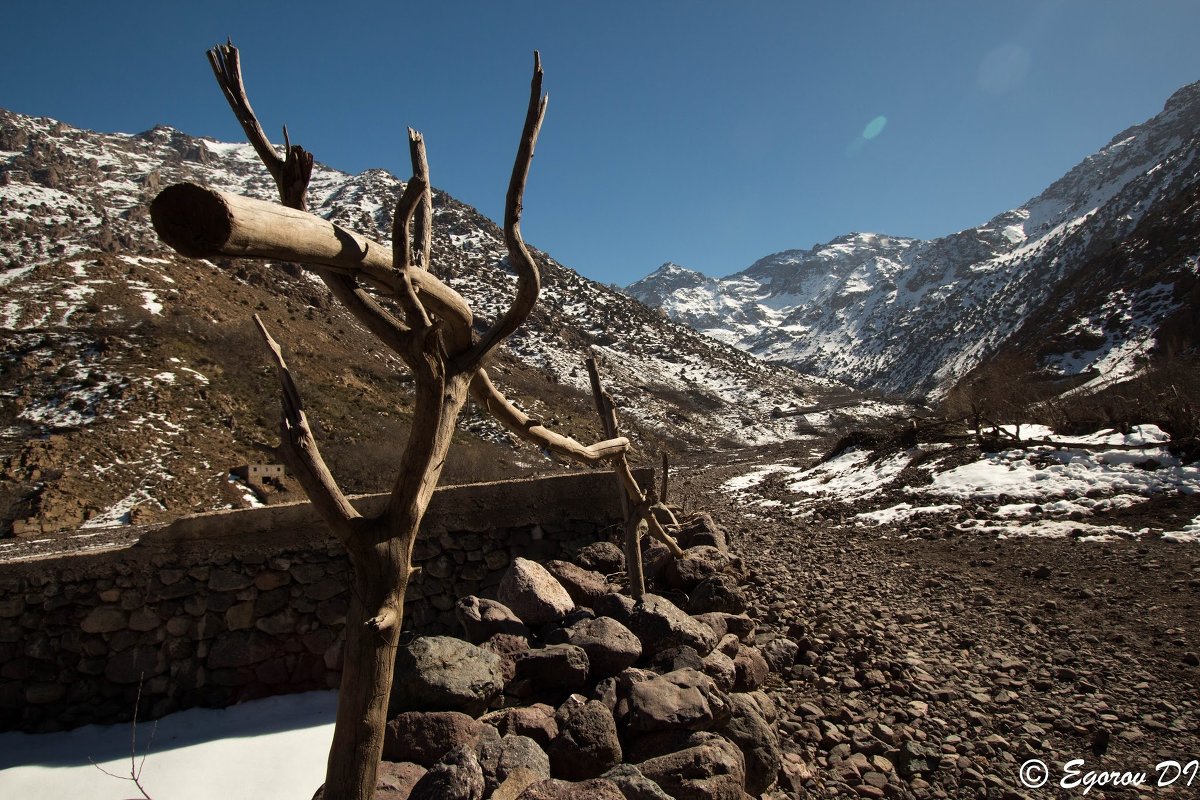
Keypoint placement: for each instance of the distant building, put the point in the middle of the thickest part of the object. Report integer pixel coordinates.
(258, 474)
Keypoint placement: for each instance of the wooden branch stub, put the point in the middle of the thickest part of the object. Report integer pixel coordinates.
(192, 220)
(297, 172)
(423, 221)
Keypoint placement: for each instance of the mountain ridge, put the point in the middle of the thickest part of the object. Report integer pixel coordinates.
(131, 381)
(911, 316)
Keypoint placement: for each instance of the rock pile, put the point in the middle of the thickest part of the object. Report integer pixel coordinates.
(565, 687)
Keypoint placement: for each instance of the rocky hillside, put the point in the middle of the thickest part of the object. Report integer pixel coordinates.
(131, 381)
(910, 316)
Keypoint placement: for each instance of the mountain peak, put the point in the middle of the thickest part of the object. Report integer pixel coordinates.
(1184, 96)
(671, 269)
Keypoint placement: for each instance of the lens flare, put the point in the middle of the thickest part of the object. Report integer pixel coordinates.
(874, 127)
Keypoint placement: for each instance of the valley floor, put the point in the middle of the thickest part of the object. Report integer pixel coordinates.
(940, 658)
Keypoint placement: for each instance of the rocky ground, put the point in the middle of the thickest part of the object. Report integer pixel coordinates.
(934, 662)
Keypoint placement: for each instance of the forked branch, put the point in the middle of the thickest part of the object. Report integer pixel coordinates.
(291, 173)
(402, 254)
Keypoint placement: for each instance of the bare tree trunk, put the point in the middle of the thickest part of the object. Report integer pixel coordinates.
(381, 564)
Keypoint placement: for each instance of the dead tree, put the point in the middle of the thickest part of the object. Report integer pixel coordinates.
(641, 511)
(429, 326)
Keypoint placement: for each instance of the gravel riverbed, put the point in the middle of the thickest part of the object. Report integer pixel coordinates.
(931, 662)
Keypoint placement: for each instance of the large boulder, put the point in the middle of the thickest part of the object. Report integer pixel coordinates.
(722, 624)
(751, 670)
(671, 659)
(517, 782)
(701, 530)
(683, 699)
(396, 781)
(445, 674)
(712, 769)
(482, 619)
(718, 593)
(699, 563)
(393, 781)
(555, 666)
(555, 789)
(780, 654)
(457, 776)
(423, 737)
(535, 721)
(506, 646)
(655, 557)
(533, 594)
(501, 757)
(660, 624)
(584, 586)
(603, 557)
(721, 669)
(633, 784)
(750, 731)
(587, 745)
(610, 646)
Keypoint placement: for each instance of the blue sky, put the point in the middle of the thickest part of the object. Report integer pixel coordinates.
(706, 133)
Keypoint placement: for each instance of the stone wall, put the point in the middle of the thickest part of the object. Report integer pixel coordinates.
(228, 606)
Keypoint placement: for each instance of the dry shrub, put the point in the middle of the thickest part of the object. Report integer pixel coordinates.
(1166, 393)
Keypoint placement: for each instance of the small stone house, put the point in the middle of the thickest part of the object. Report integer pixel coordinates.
(259, 474)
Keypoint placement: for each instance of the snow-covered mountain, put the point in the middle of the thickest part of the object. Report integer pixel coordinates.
(910, 316)
(131, 380)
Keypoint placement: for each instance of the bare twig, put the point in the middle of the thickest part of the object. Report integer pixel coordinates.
(135, 766)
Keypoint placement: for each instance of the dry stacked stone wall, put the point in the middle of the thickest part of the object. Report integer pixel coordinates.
(224, 607)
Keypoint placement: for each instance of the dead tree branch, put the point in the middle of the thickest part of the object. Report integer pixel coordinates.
(634, 525)
(666, 478)
(302, 454)
(291, 173)
(529, 281)
(641, 506)
(402, 255)
(423, 222)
